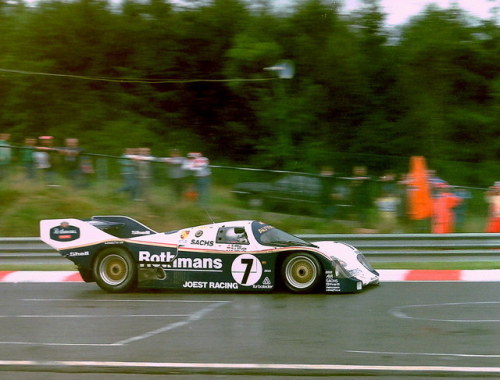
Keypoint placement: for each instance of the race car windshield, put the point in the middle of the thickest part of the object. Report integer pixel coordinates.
(269, 235)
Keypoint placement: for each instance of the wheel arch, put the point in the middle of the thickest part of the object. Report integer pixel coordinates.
(283, 255)
(104, 246)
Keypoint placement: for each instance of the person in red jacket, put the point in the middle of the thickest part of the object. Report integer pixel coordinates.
(443, 204)
(493, 199)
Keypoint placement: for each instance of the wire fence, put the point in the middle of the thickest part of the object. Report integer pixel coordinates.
(285, 191)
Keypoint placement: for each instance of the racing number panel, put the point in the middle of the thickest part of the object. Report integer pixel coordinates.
(211, 271)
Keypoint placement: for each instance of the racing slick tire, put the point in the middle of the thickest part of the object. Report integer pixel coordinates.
(115, 270)
(301, 272)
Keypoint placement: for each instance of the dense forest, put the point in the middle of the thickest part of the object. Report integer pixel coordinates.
(154, 73)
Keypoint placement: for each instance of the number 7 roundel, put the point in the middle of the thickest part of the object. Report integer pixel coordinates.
(246, 269)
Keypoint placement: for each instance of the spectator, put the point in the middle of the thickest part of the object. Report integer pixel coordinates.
(71, 160)
(45, 159)
(388, 183)
(129, 173)
(328, 196)
(360, 194)
(402, 193)
(190, 192)
(87, 170)
(27, 157)
(199, 167)
(143, 164)
(387, 206)
(461, 209)
(419, 195)
(176, 173)
(5, 155)
(493, 198)
(444, 202)
(435, 181)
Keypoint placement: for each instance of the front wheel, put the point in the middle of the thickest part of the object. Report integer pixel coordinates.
(115, 270)
(301, 272)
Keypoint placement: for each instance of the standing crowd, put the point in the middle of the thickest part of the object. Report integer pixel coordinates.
(189, 177)
(41, 160)
(396, 201)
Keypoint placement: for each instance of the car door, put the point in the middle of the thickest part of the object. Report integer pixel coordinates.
(251, 267)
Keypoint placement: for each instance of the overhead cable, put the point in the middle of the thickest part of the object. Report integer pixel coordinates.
(133, 80)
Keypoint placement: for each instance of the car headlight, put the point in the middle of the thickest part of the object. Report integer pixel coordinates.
(362, 260)
(340, 271)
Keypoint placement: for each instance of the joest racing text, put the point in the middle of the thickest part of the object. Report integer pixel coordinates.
(209, 285)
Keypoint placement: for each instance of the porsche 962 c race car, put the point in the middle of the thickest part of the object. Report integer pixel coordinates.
(120, 254)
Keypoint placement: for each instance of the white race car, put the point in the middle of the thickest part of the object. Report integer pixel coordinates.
(121, 254)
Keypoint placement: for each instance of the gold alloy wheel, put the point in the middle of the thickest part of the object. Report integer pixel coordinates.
(301, 272)
(113, 269)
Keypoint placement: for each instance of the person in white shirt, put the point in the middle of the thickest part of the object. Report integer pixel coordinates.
(200, 169)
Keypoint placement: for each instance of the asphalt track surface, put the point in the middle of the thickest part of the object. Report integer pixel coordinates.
(396, 330)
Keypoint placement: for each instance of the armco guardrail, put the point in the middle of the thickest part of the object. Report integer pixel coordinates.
(377, 247)
(421, 247)
(28, 250)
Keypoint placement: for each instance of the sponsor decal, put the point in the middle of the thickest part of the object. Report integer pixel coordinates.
(75, 254)
(64, 232)
(198, 233)
(207, 243)
(135, 232)
(266, 284)
(170, 260)
(209, 285)
(236, 248)
(246, 269)
(332, 284)
(265, 229)
(184, 235)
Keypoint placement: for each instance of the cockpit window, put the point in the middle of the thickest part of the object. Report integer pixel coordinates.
(232, 235)
(269, 235)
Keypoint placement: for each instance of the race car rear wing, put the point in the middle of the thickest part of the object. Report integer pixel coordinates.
(66, 233)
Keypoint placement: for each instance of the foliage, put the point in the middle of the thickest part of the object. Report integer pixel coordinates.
(430, 87)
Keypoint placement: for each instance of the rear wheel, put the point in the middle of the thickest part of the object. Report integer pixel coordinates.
(115, 270)
(301, 272)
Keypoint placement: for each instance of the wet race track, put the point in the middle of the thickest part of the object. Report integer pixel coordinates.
(396, 330)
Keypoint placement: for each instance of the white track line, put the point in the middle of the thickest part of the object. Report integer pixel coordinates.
(189, 318)
(96, 316)
(59, 344)
(94, 366)
(486, 356)
(192, 318)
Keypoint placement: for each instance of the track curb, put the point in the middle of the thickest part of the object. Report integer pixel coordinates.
(386, 275)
